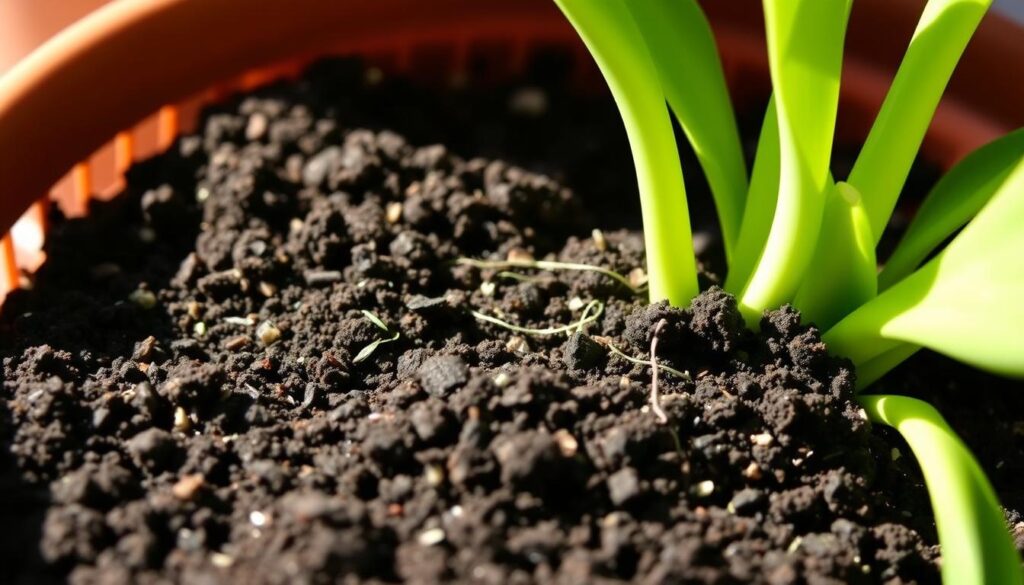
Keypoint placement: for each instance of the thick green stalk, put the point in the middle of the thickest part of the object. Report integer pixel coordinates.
(861, 336)
(882, 166)
(954, 200)
(965, 302)
(976, 545)
(760, 204)
(611, 35)
(805, 54)
(843, 273)
(684, 52)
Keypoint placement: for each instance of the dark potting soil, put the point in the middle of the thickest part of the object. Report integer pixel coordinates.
(263, 364)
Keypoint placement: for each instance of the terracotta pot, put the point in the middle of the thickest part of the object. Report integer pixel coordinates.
(26, 24)
(101, 80)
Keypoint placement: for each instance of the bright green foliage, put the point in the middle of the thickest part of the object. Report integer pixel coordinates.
(883, 164)
(976, 547)
(957, 197)
(684, 52)
(842, 276)
(373, 318)
(368, 350)
(805, 56)
(760, 207)
(965, 303)
(870, 371)
(612, 37)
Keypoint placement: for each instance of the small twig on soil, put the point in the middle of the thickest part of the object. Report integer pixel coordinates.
(551, 265)
(607, 342)
(318, 277)
(587, 318)
(655, 398)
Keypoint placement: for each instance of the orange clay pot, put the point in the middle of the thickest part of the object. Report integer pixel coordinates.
(26, 24)
(134, 73)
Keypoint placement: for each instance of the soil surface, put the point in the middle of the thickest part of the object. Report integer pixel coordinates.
(264, 363)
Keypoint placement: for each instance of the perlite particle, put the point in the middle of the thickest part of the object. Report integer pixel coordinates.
(268, 333)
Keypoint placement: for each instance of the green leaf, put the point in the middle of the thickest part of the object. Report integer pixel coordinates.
(760, 204)
(882, 166)
(367, 351)
(684, 52)
(965, 302)
(843, 273)
(611, 35)
(976, 545)
(868, 373)
(805, 54)
(372, 318)
(959, 195)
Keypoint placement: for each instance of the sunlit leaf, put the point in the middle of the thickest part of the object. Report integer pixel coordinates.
(843, 273)
(884, 162)
(372, 318)
(869, 372)
(613, 39)
(367, 351)
(760, 204)
(956, 198)
(805, 54)
(684, 52)
(965, 303)
(976, 545)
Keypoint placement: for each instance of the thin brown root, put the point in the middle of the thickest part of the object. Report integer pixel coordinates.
(655, 397)
(591, 312)
(678, 443)
(607, 342)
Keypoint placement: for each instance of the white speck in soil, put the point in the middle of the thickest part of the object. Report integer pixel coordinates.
(257, 518)
(431, 536)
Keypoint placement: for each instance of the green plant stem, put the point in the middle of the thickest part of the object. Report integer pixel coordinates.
(883, 164)
(976, 545)
(965, 302)
(957, 197)
(843, 273)
(760, 204)
(861, 336)
(683, 49)
(805, 49)
(611, 35)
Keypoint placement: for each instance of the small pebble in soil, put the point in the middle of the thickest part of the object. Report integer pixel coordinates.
(441, 374)
(268, 333)
(143, 298)
(187, 487)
